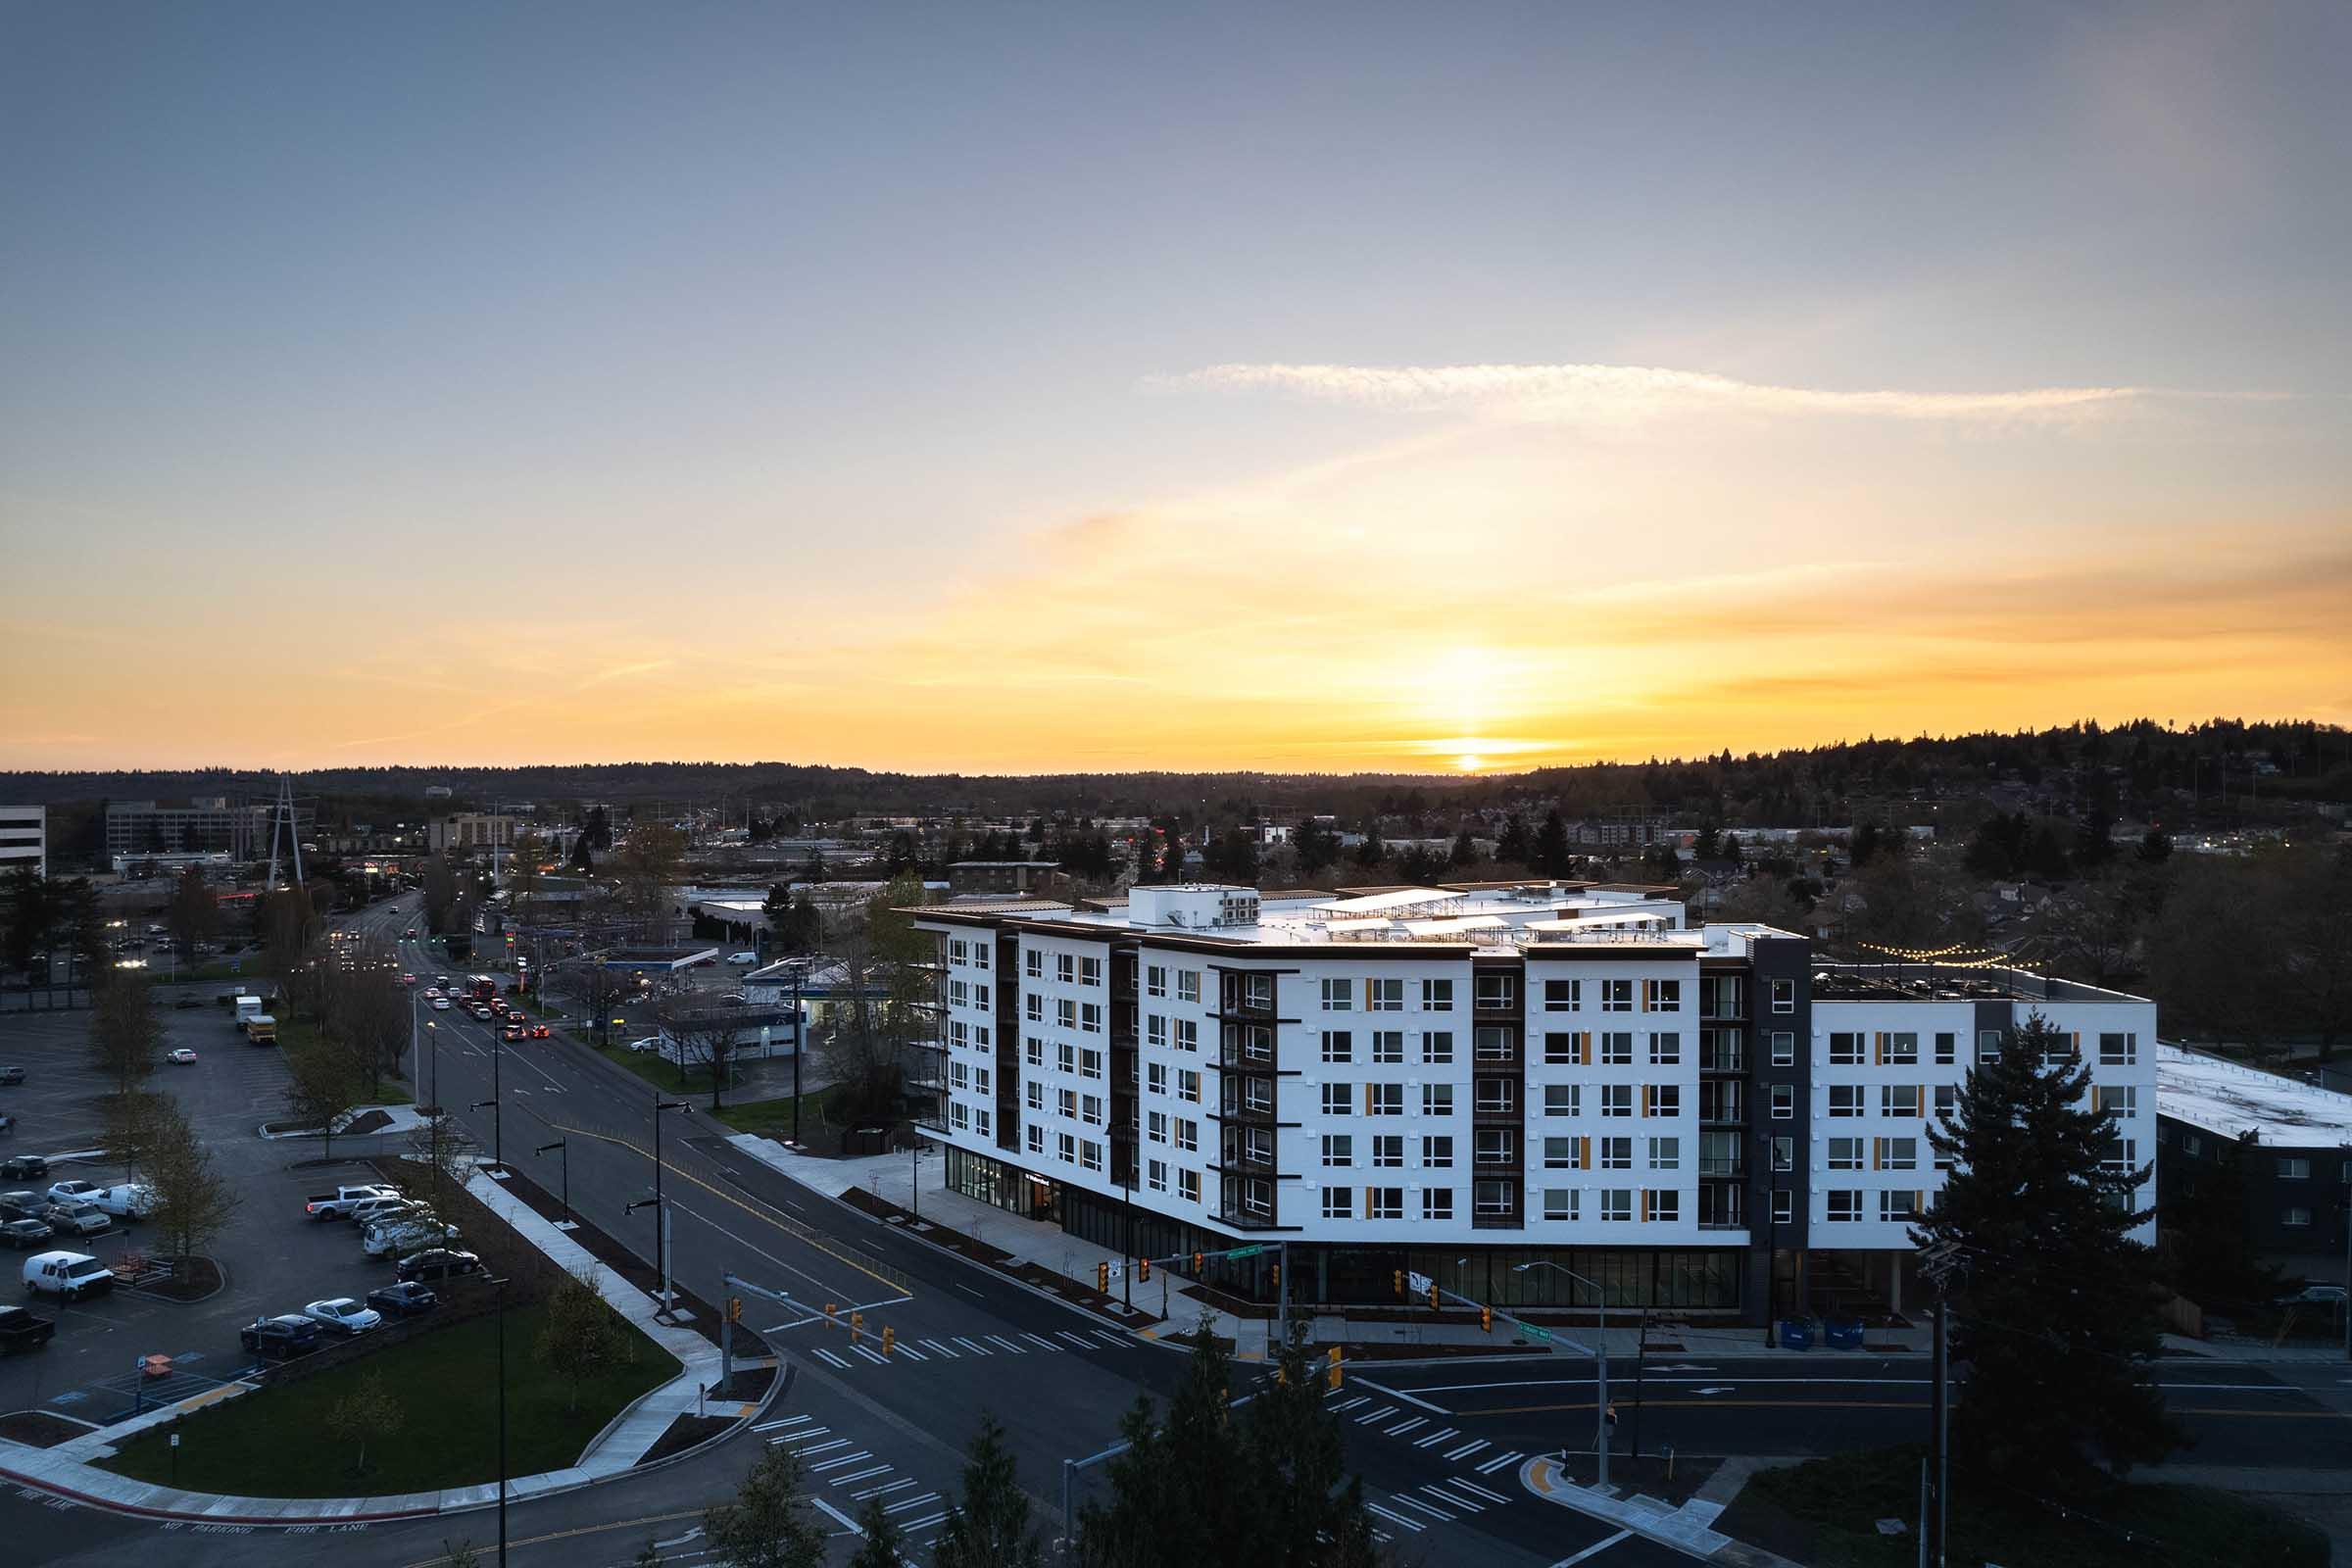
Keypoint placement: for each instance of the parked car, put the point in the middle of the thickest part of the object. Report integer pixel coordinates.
(343, 1314)
(280, 1337)
(67, 1191)
(23, 1168)
(12, 1075)
(375, 1209)
(78, 1218)
(22, 1205)
(8, 1123)
(649, 1043)
(743, 960)
(339, 1203)
(181, 1055)
(25, 1234)
(408, 1299)
(67, 1275)
(19, 1330)
(189, 1001)
(398, 1237)
(2314, 1293)
(127, 1201)
(437, 1263)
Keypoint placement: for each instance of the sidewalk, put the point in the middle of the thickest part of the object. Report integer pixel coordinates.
(890, 1177)
(67, 1469)
(1688, 1529)
(2255, 1351)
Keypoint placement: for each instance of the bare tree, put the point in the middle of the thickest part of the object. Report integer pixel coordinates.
(194, 915)
(366, 1412)
(581, 1336)
(320, 1087)
(193, 1201)
(700, 1037)
(137, 1124)
(647, 862)
(124, 1033)
(886, 984)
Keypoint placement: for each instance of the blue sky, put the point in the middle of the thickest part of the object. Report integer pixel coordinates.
(663, 334)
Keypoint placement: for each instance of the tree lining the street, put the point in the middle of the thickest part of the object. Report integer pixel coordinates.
(580, 1336)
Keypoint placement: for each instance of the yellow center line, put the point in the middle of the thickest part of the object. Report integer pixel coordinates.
(905, 1287)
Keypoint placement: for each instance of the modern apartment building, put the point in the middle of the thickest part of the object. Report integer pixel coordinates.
(469, 830)
(2289, 1143)
(24, 838)
(1460, 1080)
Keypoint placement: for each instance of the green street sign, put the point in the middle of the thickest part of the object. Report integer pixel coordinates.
(1535, 1333)
(1247, 1251)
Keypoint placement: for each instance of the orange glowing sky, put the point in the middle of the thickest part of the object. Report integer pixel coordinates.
(1443, 397)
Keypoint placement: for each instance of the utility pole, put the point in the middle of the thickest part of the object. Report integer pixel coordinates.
(1938, 1265)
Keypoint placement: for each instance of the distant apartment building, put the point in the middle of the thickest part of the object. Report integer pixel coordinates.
(1462, 1080)
(2289, 1142)
(999, 876)
(24, 838)
(469, 830)
(201, 825)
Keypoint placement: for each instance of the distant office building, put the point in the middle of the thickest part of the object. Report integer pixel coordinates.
(999, 876)
(200, 824)
(24, 838)
(469, 830)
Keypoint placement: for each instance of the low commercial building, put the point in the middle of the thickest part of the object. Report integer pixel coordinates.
(25, 839)
(999, 876)
(205, 823)
(2290, 1143)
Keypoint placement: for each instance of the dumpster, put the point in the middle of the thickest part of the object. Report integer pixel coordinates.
(1842, 1333)
(1796, 1333)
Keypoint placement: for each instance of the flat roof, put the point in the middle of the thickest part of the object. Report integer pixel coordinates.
(1901, 980)
(2232, 1100)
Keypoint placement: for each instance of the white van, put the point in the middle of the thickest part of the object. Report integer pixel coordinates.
(68, 1275)
(131, 1200)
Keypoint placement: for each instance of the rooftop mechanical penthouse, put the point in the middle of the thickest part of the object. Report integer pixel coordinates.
(1459, 1080)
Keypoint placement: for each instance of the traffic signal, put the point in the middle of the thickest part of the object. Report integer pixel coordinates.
(1400, 1285)
(1332, 1376)
(831, 1313)
(1432, 1296)
(1486, 1318)
(1198, 1258)
(1274, 1277)
(1102, 1278)
(1143, 1269)
(734, 1308)
(890, 1338)
(857, 1325)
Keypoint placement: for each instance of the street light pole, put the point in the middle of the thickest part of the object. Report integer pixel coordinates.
(800, 1048)
(1600, 1298)
(567, 1149)
(501, 1286)
(661, 1209)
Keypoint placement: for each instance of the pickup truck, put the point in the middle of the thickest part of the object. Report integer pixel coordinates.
(339, 1203)
(19, 1330)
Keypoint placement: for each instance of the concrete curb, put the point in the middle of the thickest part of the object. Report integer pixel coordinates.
(1687, 1528)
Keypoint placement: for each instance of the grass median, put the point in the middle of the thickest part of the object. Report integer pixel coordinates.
(278, 1443)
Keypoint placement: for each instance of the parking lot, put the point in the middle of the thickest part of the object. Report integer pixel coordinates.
(273, 1256)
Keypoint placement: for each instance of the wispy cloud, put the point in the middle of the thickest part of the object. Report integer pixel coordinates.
(1575, 394)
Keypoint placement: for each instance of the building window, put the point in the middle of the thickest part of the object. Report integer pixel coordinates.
(1436, 1099)
(1090, 1017)
(1898, 1100)
(1664, 1206)
(1032, 1007)
(1783, 1154)
(1090, 1109)
(1157, 1125)
(1784, 1102)
(1846, 1205)
(1562, 996)
(1665, 1154)
(1783, 996)
(1065, 1012)
(1895, 1204)
(1188, 1135)
(1617, 1049)
(1494, 993)
(1559, 1202)
(1948, 1100)
(2119, 1051)
(1437, 1202)
(1384, 996)
(1560, 1049)
(1846, 1099)
(1089, 972)
(1033, 964)
(1384, 1099)
(1188, 989)
(1258, 1094)
(1090, 1065)
(2193, 1146)
(1898, 1049)
(1948, 1050)
(1495, 1147)
(1337, 997)
(1661, 1099)
(956, 994)
(1616, 1153)
(1187, 1185)
(2120, 1099)
(1339, 1099)
(958, 1117)
(1616, 1205)
(1156, 1031)
(1188, 1085)
(1497, 1097)
(1616, 996)
(1388, 1151)
(1784, 1206)
(1559, 1153)
(1155, 1175)
(1560, 1100)
(2294, 1216)
(1339, 1150)
(1338, 1203)
(1495, 1200)
(1037, 1140)
(1661, 995)
(1383, 1202)
(1845, 1154)
(2294, 1170)
(1665, 1048)
(1155, 980)
(1068, 1145)
(1436, 1047)
(1089, 1155)
(1898, 1153)
(1065, 1055)
(1616, 1099)
(1784, 1048)
(1989, 1046)
(1388, 1046)
(1065, 968)
(1069, 1103)
(1188, 1034)
(1845, 1050)
(1493, 1044)
(1437, 996)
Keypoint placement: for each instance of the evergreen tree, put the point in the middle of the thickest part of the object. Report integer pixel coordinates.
(768, 1525)
(2055, 1317)
(883, 1541)
(1551, 845)
(1371, 851)
(1465, 851)
(2095, 841)
(1317, 847)
(2155, 847)
(990, 1527)
(1513, 846)
(1175, 1494)
(32, 911)
(2045, 856)
(1863, 847)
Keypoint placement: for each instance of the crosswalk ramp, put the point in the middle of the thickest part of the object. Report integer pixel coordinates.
(866, 1352)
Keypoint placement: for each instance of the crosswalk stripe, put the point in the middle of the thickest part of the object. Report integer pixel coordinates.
(1411, 1524)
(1467, 1448)
(870, 1355)
(1495, 1465)
(1042, 1340)
(1436, 1437)
(1350, 1404)
(788, 1421)
(840, 1460)
(1416, 1503)
(924, 1523)
(912, 1502)
(862, 1475)
(1403, 1427)
(1439, 1492)
(1468, 1484)
(833, 1360)
(1074, 1337)
(911, 1353)
(976, 1349)
(1017, 1349)
(821, 1448)
(941, 1349)
(1370, 1416)
(802, 1436)
(1113, 1338)
(885, 1489)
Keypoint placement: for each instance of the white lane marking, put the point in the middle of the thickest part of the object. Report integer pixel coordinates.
(883, 1489)
(912, 1502)
(862, 1475)
(1439, 1514)
(910, 1354)
(1350, 1404)
(1439, 1492)
(924, 1523)
(1370, 1416)
(1396, 1394)
(941, 1349)
(1493, 1466)
(833, 1360)
(1436, 1437)
(840, 1460)
(1468, 1484)
(1594, 1550)
(1074, 1337)
(821, 1448)
(1017, 1349)
(1715, 1388)
(838, 1516)
(1467, 1448)
(1115, 1339)
(1403, 1427)
(1395, 1518)
(802, 1436)
(870, 1355)
(788, 1421)
(1039, 1338)
(976, 1349)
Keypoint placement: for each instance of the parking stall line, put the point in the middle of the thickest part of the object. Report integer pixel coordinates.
(1439, 1514)
(1017, 1349)
(802, 1436)
(1370, 1416)
(1394, 1518)
(1438, 1491)
(831, 1359)
(1040, 1339)
(1468, 1484)
(924, 1523)
(941, 1349)
(1073, 1337)
(821, 1448)
(1115, 1339)
(871, 1355)
(1350, 1404)
(910, 1354)
(788, 1421)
